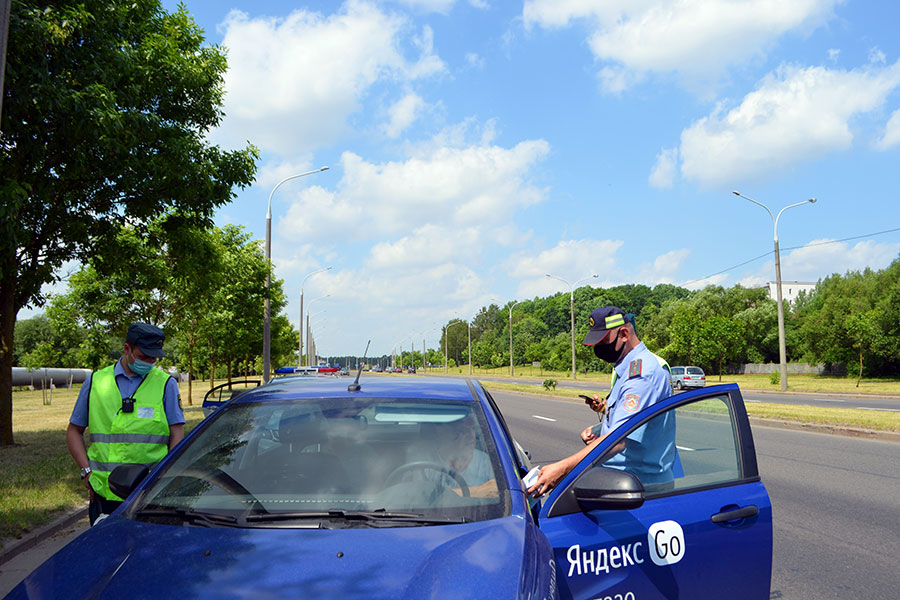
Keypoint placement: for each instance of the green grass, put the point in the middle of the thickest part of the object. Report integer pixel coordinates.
(38, 477)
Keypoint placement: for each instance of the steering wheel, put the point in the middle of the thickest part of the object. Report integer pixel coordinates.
(217, 476)
(424, 465)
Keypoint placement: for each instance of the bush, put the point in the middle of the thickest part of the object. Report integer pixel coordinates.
(549, 384)
(775, 377)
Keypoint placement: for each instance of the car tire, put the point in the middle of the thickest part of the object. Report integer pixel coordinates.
(679, 386)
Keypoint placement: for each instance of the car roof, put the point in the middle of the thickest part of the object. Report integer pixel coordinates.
(420, 388)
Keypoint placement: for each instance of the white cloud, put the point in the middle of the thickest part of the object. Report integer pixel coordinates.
(891, 135)
(569, 259)
(795, 116)
(833, 54)
(474, 60)
(695, 38)
(472, 186)
(402, 114)
(293, 82)
(663, 173)
(663, 268)
(877, 57)
(438, 6)
(428, 246)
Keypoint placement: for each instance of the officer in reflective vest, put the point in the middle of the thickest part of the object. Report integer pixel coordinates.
(133, 412)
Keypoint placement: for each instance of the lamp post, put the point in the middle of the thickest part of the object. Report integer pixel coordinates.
(267, 317)
(572, 287)
(511, 373)
(300, 352)
(307, 324)
(782, 350)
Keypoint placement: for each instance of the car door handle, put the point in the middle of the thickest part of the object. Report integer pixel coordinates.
(738, 513)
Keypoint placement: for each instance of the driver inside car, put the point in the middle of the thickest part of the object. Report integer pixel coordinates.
(454, 445)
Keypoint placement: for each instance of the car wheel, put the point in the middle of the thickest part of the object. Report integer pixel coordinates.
(679, 386)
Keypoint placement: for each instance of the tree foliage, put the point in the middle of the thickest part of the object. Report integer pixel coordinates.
(107, 105)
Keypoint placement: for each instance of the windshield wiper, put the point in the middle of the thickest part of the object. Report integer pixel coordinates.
(189, 515)
(370, 517)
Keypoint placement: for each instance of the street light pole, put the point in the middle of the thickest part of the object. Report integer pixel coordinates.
(300, 352)
(511, 372)
(267, 317)
(782, 349)
(307, 325)
(572, 287)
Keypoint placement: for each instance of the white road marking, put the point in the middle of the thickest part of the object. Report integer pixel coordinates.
(543, 418)
(881, 409)
(685, 449)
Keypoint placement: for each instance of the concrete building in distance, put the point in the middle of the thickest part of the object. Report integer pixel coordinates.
(790, 289)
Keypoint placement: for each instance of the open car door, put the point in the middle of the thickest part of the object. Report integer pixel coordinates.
(621, 534)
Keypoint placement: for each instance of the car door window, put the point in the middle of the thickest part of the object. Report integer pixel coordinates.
(690, 446)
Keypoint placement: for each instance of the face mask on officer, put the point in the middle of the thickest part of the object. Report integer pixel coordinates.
(610, 352)
(138, 366)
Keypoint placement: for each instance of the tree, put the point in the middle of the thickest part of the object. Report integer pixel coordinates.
(107, 104)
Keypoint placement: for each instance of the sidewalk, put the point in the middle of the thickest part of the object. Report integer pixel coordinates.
(19, 557)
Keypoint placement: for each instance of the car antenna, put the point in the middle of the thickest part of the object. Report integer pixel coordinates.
(354, 387)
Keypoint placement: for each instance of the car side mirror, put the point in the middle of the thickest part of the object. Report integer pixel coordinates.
(124, 478)
(606, 488)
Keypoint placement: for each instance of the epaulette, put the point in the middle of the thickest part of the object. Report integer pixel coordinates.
(634, 368)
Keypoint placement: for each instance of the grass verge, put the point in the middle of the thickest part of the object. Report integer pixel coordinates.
(38, 478)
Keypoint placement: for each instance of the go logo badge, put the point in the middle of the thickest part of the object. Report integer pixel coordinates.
(666, 542)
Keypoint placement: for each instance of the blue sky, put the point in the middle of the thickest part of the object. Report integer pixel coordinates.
(475, 145)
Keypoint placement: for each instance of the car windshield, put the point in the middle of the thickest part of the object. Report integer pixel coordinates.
(337, 462)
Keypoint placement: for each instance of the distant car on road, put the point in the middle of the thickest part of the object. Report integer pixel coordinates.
(345, 371)
(411, 370)
(688, 377)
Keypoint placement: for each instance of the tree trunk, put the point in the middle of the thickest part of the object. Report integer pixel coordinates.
(860, 368)
(230, 364)
(191, 372)
(7, 327)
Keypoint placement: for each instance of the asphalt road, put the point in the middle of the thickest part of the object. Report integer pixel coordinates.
(836, 499)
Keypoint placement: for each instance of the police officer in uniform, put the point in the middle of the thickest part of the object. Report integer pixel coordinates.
(133, 412)
(639, 381)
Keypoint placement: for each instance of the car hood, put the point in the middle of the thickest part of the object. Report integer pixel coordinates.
(121, 558)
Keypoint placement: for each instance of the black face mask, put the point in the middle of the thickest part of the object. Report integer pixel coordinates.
(608, 352)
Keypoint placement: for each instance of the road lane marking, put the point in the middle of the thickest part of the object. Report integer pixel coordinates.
(685, 448)
(543, 418)
(881, 409)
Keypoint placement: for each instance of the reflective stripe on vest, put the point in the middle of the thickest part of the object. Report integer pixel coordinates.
(119, 438)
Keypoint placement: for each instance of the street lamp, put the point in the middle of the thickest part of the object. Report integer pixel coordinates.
(267, 317)
(511, 373)
(572, 287)
(307, 324)
(782, 350)
(300, 352)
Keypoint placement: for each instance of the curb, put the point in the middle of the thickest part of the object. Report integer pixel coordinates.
(32, 538)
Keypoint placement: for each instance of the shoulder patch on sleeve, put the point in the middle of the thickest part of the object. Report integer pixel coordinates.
(634, 368)
(631, 403)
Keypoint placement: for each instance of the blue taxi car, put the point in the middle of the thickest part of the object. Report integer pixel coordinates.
(413, 489)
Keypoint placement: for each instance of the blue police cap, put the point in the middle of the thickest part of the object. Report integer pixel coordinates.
(603, 320)
(149, 338)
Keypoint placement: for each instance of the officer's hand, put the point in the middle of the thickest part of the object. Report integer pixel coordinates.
(595, 403)
(548, 477)
(587, 436)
